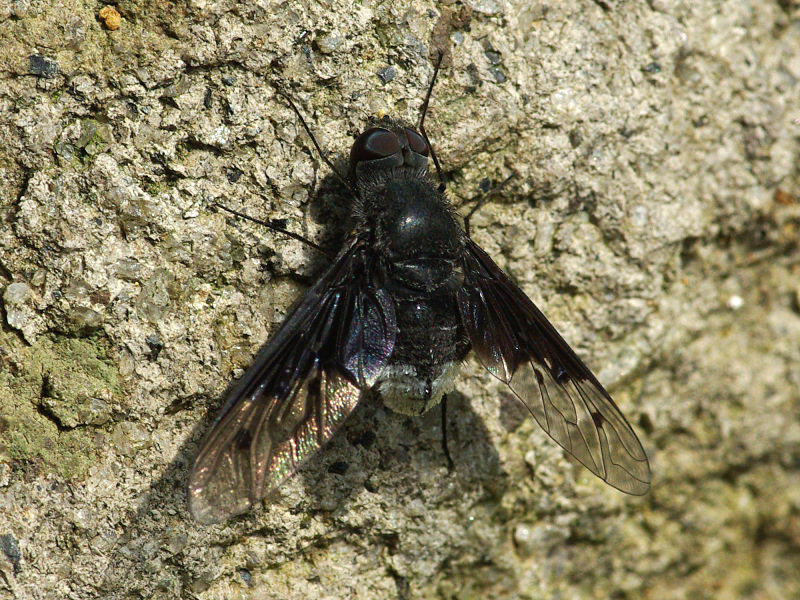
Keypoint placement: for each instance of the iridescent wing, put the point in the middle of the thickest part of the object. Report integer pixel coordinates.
(518, 345)
(298, 391)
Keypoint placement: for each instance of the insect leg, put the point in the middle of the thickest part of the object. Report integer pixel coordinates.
(483, 199)
(322, 155)
(277, 228)
(423, 112)
(450, 464)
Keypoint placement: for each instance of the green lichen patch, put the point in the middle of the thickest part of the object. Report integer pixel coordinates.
(54, 398)
(94, 137)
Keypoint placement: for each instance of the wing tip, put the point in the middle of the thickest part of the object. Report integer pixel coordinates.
(634, 482)
(208, 508)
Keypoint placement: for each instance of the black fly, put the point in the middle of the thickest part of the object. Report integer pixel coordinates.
(403, 302)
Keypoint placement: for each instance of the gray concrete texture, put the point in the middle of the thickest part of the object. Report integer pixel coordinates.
(653, 215)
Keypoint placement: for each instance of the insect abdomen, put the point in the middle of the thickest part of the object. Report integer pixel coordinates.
(427, 355)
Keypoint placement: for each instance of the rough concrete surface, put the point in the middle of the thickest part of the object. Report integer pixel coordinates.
(653, 215)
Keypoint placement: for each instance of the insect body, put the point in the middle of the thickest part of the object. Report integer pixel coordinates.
(418, 248)
(404, 301)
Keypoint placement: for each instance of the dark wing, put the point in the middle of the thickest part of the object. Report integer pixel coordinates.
(298, 391)
(518, 345)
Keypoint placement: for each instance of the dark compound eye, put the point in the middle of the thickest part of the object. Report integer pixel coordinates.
(374, 143)
(416, 142)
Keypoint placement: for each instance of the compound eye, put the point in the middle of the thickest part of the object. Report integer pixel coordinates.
(374, 143)
(416, 142)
